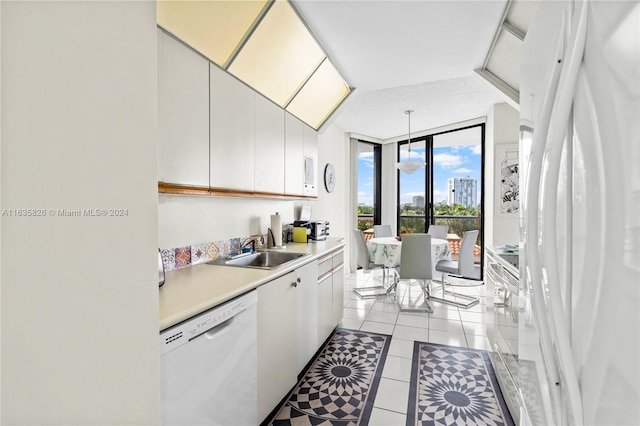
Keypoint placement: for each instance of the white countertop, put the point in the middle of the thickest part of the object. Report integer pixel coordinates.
(497, 254)
(190, 291)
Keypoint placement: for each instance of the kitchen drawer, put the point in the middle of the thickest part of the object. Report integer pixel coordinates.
(324, 265)
(337, 259)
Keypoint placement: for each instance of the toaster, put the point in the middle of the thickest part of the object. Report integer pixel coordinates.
(319, 230)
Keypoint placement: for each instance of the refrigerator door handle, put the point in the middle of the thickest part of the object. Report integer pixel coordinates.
(558, 124)
(532, 252)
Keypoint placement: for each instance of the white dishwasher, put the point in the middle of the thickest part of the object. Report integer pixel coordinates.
(208, 366)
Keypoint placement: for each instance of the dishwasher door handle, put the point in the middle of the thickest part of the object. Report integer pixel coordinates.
(218, 324)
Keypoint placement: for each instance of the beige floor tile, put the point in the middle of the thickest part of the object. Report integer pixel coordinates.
(447, 338)
(397, 368)
(377, 327)
(380, 417)
(392, 395)
(401, 348)
(411, 333)
(380, 316)
(445, 325)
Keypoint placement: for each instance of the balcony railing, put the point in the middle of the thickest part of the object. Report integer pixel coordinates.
(416, 224)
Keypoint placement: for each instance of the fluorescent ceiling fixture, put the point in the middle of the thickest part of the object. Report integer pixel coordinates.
(213, 28)
(279, 56)
(505, 59)
(320, 96)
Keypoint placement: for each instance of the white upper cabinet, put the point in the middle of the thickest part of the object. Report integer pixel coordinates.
(269, 146)
(232, 132)
(310, 138)
(301, 157)
(183, 114)
(294, 155)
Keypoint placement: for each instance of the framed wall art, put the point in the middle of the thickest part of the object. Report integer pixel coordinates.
(508, 178)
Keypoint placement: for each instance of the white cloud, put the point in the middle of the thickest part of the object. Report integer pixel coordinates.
(415, 155)
(439, 195)
(447, 160)
(462, 170)
(476, 149)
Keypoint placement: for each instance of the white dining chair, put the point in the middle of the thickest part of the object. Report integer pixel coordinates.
(382, 231)
(463, 267)
(415, 267)
(364, 261)
(438, 231)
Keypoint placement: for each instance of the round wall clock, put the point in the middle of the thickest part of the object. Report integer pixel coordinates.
(329, 177)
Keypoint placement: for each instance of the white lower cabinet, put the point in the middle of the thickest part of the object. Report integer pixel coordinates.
(338, 287)
(277, 341)
(296, 314)
(307, 313)
(325, 307)
(330, 293)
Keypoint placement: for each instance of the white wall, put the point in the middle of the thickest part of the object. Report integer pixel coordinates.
(333, 147)
(79, 294)
(502, 128)
(187, 220)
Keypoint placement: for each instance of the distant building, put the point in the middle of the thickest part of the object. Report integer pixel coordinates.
(418, 201)
(463, 191)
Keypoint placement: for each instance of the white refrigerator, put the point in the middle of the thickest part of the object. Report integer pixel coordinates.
(579, 330)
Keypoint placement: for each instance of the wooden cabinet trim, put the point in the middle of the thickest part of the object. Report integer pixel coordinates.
(174, 188)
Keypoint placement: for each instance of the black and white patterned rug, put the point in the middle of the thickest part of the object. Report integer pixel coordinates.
(340, 385)
(454, 386)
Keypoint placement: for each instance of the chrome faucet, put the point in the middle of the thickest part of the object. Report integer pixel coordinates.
(272, 242)
(249, 242)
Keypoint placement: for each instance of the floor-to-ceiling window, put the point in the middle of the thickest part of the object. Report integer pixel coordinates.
(448, 190)
(369, 188)
(413, 190)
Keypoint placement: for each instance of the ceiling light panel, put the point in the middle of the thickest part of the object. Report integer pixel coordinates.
(505, 59)
(213, 28)
(320, 96)
(279, 56)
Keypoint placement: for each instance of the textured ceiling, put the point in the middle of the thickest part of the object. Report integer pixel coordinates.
(403, 55)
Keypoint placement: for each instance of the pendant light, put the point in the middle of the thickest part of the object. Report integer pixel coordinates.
(409, 166)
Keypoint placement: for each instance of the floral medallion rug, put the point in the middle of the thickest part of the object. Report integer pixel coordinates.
(451, 385)
(340, 384)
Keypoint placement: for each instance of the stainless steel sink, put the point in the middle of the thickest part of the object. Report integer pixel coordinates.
(260, 259)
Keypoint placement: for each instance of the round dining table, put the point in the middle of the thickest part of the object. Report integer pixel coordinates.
(386, 251)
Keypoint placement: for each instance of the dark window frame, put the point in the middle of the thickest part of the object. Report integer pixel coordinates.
(428, 185)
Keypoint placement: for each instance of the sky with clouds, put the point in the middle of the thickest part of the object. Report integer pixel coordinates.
(448, 162)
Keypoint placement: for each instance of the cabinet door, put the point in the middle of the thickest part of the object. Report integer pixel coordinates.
(232, 132)
(269, 146)
(307, 313)
(325, 307)
(294, 156)
(310, 138)
(338, 294)
(183, 114)
(277, 341)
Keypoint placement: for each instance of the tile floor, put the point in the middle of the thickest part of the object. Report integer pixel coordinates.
(446, 325)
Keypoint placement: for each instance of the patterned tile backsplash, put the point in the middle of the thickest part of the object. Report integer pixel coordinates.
(182, 257)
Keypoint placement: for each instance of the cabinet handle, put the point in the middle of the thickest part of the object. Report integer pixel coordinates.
(294, 284)
(298, 280)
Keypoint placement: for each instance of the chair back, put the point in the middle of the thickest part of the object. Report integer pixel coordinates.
(465, 257)
(415, 257)
(382, 231)
(438, 231)
(362, 253)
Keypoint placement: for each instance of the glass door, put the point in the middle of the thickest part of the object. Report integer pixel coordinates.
(457, 167)
(369, 187)
(448, 190)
